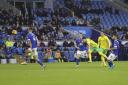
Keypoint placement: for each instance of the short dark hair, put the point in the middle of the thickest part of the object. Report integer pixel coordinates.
(30, 28)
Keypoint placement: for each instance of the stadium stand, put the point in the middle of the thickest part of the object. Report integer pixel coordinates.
(52, 26)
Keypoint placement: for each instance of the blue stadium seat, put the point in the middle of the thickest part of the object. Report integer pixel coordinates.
(71, 54)
(66, 55)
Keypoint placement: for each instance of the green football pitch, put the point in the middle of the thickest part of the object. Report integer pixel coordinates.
(64, 74)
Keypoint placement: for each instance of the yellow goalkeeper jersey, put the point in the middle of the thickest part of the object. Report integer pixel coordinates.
(104, 42)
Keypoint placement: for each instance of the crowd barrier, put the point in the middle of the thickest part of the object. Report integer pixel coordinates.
(67, 54)
(123, 53)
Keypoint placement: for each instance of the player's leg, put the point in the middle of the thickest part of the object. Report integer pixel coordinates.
(35, 55)
(77, 62)
(111, 58)
(61, 59)
(103, 58)
(103, 55)
(58, 59)
(77, 58)
(103, 61)
(110, 63)
(90, 55)
(23, 60)
(101, 52)
(17, 58)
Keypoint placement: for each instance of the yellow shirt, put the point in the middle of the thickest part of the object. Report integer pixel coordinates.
(104, 42)
(9, 43)
(91, 43)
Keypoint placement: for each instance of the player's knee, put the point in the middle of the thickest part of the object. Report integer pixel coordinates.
(100, 53)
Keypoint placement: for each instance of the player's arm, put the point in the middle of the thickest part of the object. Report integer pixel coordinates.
(99, 41)
(115, 47)
(89, 47)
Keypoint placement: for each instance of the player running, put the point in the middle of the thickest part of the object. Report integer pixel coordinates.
(104, 43)
(114, 52)
(81, 51)
(32, 42)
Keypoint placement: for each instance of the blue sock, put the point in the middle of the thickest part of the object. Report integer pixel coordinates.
(110, 63)
(77, 61)
(39, 63)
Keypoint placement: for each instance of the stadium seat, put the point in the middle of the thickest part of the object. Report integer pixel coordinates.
(66, 55)
(71, 54)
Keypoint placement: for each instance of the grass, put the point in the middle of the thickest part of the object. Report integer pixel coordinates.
(64, 74)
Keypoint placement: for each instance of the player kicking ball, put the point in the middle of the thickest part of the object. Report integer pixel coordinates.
(93, 47)
(32, 41)
(114, 52)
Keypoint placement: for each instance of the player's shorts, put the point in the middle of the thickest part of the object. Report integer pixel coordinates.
(96, 49)
(112, 57)
(77, 54)
(29, 52)
(105, 51)
(34, 52)
(80, 54)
